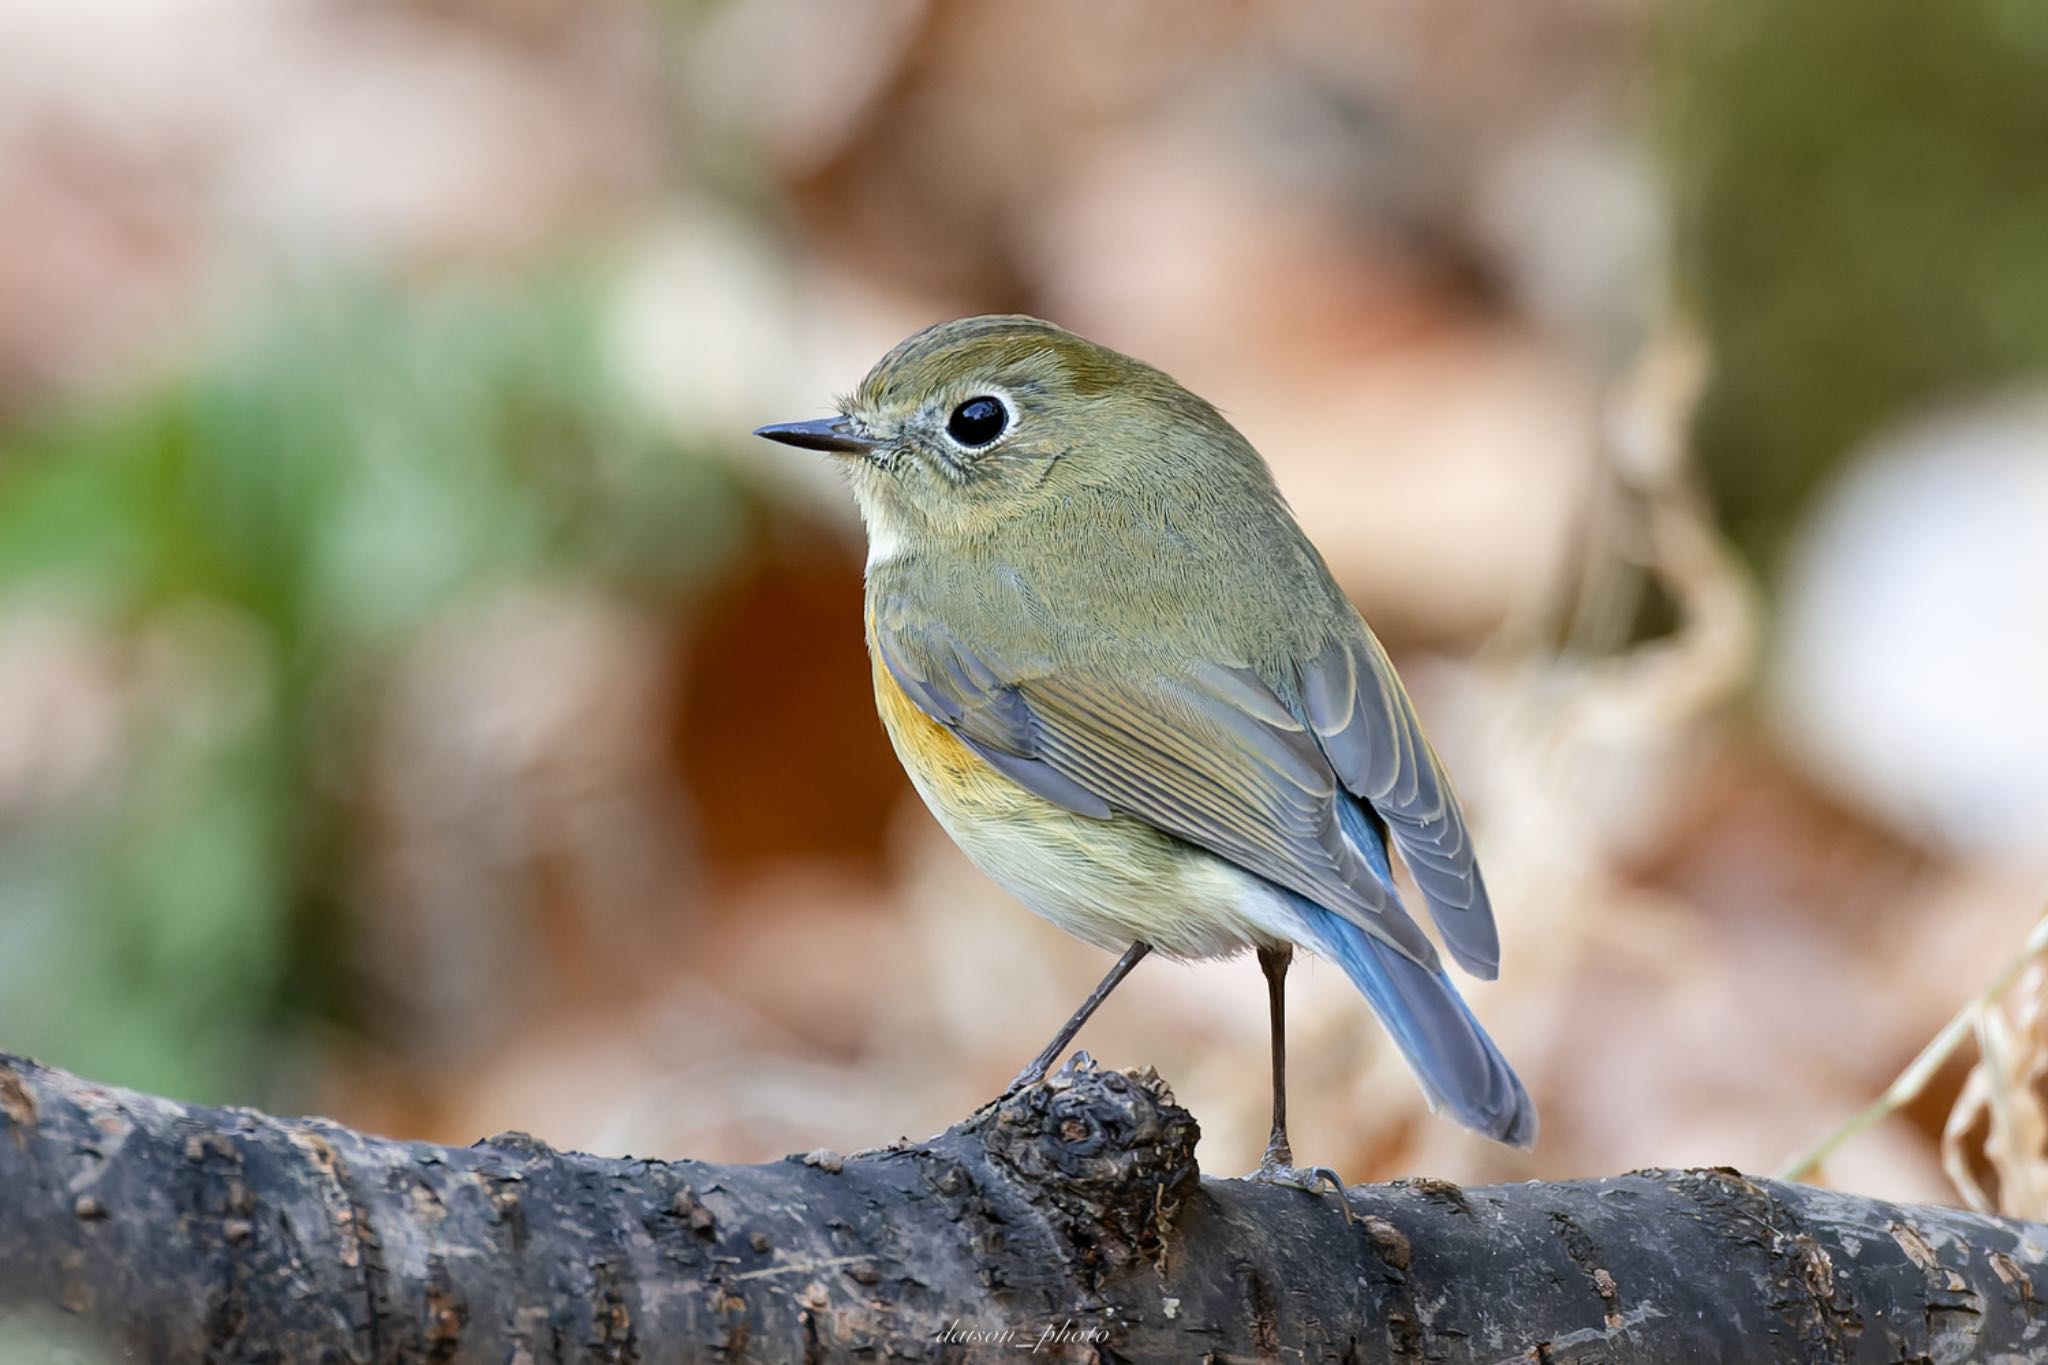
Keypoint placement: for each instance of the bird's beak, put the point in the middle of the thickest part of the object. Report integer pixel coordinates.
(834, 434)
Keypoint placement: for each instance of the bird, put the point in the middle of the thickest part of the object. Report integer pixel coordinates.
(1128, 687)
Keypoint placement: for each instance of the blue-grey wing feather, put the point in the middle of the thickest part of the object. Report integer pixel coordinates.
(1362, 716)
(1210, 755)
(955, 688)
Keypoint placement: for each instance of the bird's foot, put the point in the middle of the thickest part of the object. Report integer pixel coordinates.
(1277, 1170)
(1035, 1073)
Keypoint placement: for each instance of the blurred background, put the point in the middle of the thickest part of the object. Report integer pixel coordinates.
(422, 702)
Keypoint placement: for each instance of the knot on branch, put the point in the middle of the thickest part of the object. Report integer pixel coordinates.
(1105, 1156)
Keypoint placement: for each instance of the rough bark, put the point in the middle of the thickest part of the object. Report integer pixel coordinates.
(1070, 1217)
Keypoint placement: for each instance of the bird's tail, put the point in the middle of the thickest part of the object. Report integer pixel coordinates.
(1461, 1070)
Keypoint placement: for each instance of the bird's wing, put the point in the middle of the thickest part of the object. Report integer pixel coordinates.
(1208, 754)
(1362, 718)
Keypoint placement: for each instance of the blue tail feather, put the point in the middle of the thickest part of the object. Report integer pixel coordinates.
(1460, 1069)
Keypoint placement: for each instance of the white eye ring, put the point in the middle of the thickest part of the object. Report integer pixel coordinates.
(979, 422)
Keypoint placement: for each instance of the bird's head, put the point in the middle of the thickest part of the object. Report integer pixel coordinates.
(974, 424)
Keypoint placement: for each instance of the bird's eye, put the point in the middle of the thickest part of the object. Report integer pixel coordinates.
(978, 421)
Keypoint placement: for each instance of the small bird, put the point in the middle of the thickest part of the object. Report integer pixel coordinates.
(1126, 684)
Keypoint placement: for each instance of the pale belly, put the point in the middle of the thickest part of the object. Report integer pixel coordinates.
(1109, 882)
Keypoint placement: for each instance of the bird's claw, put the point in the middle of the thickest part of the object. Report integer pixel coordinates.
(1035, 1074)
(1311, 1179)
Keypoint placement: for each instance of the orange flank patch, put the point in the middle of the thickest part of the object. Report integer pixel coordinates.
(934, 755)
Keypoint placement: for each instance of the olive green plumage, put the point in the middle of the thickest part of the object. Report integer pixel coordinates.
(1082, 576)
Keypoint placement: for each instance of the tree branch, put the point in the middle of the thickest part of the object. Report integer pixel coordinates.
(1070, 1217)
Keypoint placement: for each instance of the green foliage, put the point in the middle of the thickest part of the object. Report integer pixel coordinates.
(1864, 206)
(250, 546)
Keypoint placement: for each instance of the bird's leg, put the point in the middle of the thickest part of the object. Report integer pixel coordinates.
(1042, 1063)
(1274, 963)
(1277, 1167)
